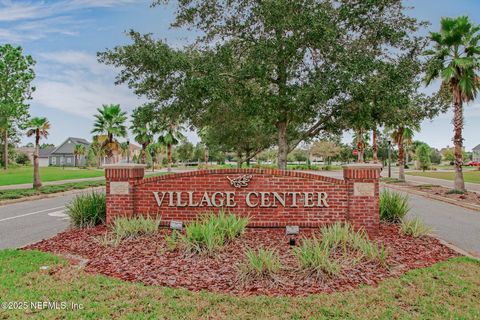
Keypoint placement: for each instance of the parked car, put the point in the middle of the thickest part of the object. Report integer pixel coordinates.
(473, 164)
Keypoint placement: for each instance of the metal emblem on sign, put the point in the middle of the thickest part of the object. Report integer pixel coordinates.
(241, 181)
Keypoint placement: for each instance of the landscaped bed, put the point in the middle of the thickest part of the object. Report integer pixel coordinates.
(150, 260)
(436, 190)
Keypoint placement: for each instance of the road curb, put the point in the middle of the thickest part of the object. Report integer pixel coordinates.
(455, 248)
(435, 197)
(49, 195)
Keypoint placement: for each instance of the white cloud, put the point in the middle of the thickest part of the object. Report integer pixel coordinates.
(39, 29)
(35, 20)
(17, 11)
(74, 82)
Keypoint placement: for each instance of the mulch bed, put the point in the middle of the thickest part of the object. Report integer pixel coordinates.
(467, 197)
(470, 197)
(147, 260)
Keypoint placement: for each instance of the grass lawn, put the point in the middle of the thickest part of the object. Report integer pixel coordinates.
(22, 193)
(23, 175)
(469, 176)
(448, 290)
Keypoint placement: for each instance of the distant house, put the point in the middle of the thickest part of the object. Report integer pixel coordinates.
(26, 150)
(476, 153)
(63, 155)
(44, 155)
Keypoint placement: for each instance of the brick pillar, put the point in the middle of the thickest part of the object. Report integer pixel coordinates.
(363, 195)
(120, 179)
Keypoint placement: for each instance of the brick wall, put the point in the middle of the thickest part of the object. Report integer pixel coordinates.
(353, 199)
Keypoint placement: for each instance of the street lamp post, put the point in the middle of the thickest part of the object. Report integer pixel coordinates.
(389, 158)
(128, 151)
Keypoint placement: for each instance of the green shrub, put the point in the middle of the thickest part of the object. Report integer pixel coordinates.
(314, 257)
(87, 210)
(393, 206)
(212, 231)
(260, 263)
(415, 228)
(455, 191)
(130, 227)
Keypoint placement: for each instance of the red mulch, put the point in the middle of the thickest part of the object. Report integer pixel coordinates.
(148, 261)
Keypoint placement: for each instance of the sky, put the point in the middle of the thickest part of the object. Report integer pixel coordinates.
(64, 36)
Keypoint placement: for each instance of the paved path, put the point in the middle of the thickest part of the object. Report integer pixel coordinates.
(49, 183)
(53, 183)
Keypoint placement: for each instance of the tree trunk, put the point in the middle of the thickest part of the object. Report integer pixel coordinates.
(169, 155)
(374, 145)
(144, 153)
(205, 156)
(239, 160)
(282, 145)
(458, 141)
(401, 155)
(360, 146)
(37, 183)
(5, 149)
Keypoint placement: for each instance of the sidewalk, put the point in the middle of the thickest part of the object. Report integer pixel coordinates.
(53, 183)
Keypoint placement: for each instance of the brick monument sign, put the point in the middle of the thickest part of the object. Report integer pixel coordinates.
(272, 198)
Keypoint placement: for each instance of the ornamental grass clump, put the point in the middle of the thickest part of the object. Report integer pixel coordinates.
(315, 258)
(131, 227)
(212, 231)
(393, 206)
(415, 228)
(339, 244)
(87, 210)
(262, 263)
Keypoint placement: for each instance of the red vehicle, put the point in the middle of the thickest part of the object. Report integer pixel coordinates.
(473, 164)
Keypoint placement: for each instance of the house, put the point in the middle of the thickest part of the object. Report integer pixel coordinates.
(121, 157)
(43, 156)
(63, 155)
(476, 153)
(26, 150)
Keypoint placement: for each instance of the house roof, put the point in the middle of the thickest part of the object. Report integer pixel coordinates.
(68, 146)
(134, 147)
(45, 152)
(477, 148)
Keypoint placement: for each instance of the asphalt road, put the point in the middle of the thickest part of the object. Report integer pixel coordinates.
(28, 222)
(456, 225)
(31, 221)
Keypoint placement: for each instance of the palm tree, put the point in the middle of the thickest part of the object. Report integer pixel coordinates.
(125, 149)
(455, 60)
(78, 151)
(399, 136)
(155, 150)
(38, 127)
(110, 121)
(99, 148)
(144, 137)
(171, 136)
